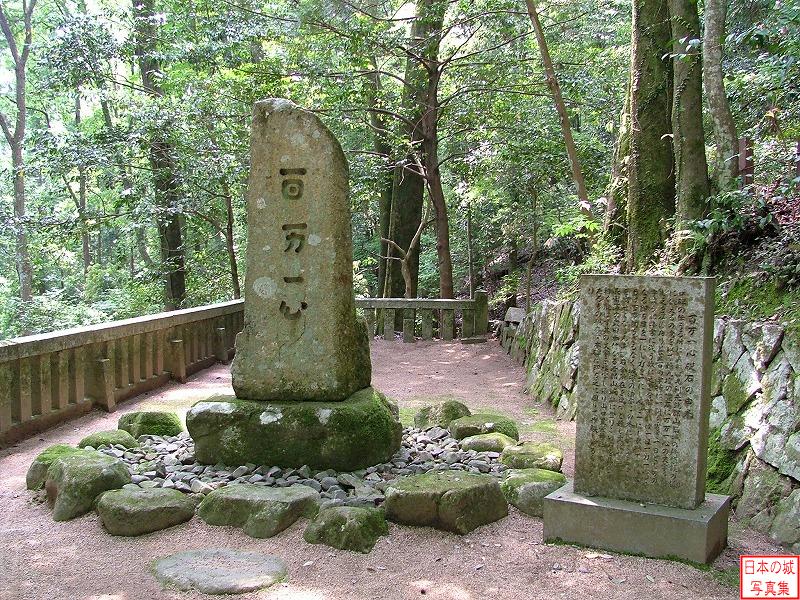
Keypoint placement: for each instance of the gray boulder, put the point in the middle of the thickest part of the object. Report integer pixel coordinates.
(347, 528)
(132, 512)
(452, 501)
(259, 510)
(488, 442)
(37, 472)
(483, 423)
(152, 422)
(74, 482)
(440, 414)
(526, 488)
(532, 455)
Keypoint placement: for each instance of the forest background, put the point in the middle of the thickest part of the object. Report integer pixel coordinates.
(498, 144)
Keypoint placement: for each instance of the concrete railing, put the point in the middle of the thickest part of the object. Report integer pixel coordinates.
(420, 314)
(49, 378)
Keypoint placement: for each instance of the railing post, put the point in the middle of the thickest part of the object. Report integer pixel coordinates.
(388, 323)
(409, 321)
(369, 317)
(481, 314)
(177, 360)
(7, 395)
(448, 324)
(60, 383)
(101, 384)
(467, 323)
(77, 375)
(220, 347)
(427, 323)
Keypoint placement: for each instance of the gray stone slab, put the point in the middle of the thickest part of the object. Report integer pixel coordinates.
(643, 394)
(697, 535)
(301, 339)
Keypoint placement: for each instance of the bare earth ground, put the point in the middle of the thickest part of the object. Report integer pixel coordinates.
(77, 560)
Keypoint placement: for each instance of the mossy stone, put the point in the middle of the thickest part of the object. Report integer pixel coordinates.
(785, 527)
(451, 501)
(721, 464)
(533, 455)
(131, 512)
(346, 436)
(440, 414)
(347, 528)
(260, 511)
(483, 423)
(526, 488)
(109, 438)
(74, 481)
(735, 394)
(487, 442)
(151, 423)
(37, 472)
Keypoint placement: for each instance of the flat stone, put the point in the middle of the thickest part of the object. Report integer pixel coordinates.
(347, 528)
(456, 502)
(526, 488)
(220, 571)
(135, 512)
(441, 414)
(74, 482)
(114, 437)
(301, 339)
(532, 455)
(485, 442)
(260, 511)
(656, 531)
(348, 435)
(159, 423)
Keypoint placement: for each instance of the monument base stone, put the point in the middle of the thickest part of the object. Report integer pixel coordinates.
(652, 530)
(353, 434)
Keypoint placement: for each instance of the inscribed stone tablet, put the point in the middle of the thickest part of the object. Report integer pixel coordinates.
(301, 339)
(643, 404)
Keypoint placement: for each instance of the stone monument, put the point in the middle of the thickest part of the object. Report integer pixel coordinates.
(302, 370)
(642, 422)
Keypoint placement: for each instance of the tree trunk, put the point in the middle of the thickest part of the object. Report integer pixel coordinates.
(615, 223)
(470, 253)
(651, 183)
(23, 259)
(691, 168)
(725, 136)
(563, 117)
(234, 267)
(162, 163)
(86, 249)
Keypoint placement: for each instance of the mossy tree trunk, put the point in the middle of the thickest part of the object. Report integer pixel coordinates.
(691, 168)
(615, 224)
(651, 183)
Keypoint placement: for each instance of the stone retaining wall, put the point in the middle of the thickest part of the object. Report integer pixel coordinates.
(754, 446)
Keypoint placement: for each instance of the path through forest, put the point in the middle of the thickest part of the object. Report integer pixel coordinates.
(77, 560)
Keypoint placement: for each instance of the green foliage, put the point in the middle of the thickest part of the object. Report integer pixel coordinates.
(604, 257)
(750, 297)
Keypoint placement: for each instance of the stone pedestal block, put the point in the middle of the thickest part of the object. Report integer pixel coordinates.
(355, 433)
(698, 535)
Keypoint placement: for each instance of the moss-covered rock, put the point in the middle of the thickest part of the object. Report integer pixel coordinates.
(131, 512)
(785, 528)
(109, 438)
(347, 528)
(37, 472)
(483, 423)
(74, 481)
(721, 465)
(532, 455)
(452, 501)
(440, 414)
(346, 436)
(762, 490)
(526, 488)
(261, 512)
(487, 442)
(150, 423)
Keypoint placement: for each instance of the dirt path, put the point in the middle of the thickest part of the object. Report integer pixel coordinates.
(77, 560)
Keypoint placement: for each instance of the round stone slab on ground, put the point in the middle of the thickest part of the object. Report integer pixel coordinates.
(440, 414)
(219, 571)
(260, 511)
(132, 512)
(74, 481)
(37, 472)
(109, 438)
(150, 423)
(487, 442)
(451, 501)
(526, 488)
(347, 528)
(346, 436)
(533, 455)
(483, 423)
